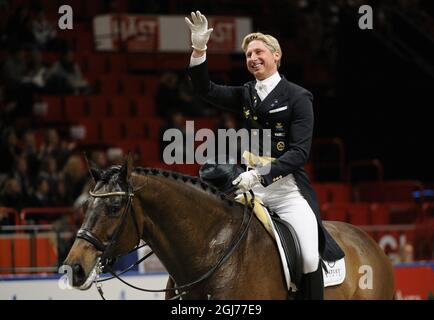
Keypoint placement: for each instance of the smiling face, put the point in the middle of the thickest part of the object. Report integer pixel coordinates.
(260, 60)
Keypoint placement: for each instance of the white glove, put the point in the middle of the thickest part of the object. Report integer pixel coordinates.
(246, 181)
(199, 30)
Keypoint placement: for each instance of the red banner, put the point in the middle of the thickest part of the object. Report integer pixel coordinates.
(223, 37)
(414, 281)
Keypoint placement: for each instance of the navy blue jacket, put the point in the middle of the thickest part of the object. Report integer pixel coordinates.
(287, 111)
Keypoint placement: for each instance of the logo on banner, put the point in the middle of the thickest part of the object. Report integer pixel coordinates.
(134, 33)
(223, 37)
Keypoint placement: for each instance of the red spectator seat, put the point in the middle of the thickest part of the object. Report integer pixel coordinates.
(395, 213)
(153, 126)
(111, 130)
(84, 41)
(424, 240)
(149, 151)
(136, 128)
(151, 85)
(117, 64)
(333, 192)
(321, 192)
(132, 85)
(147, 61)
(171, 61)
(92, 133)
(378, 191)
(428, 210)
(309, 169)
(109, 85)
(401, 190)
(371, 191)
(144, 106)
(404, 212)
(143, 128)
(128, 145)
(380, 214)
(55, 110)
(217, 62)
(120, 107)
(188, 169)
(354, 213)
(75, 108)
(97, 106)
(94, 64)
(205, 122)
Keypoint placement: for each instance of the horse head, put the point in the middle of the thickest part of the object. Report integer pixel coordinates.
(108, 224)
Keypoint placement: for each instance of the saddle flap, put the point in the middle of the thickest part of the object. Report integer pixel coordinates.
(291, 247)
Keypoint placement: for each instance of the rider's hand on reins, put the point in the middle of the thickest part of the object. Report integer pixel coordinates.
(199, 30)
(246, 181)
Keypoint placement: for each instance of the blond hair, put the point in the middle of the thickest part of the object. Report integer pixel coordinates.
(269, 41)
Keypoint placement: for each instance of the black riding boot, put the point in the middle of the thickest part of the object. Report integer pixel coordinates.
(312, 286)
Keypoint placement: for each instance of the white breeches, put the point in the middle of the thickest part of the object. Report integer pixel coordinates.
(284, 198)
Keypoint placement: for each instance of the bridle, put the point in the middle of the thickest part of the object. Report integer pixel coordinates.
(95, 241)
(104, 262)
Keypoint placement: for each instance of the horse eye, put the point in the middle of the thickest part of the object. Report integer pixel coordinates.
(114, 209)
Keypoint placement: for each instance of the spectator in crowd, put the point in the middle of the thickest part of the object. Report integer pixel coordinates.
(75, 176)
(43, 31)
(9, 149)
(19, 27)
(42, 195)
(30, 152)
(99, 157)
(65, 76)
(18, 90)
(50, 172)
(36, 73)
(61, 196)
(115, 156)
(406, 253)
(166, 98)
(21, 175)
(12, 197)
(53, 146)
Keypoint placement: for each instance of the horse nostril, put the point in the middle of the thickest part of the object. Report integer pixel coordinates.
(78, 271)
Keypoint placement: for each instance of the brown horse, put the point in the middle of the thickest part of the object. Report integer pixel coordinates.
(191, 226)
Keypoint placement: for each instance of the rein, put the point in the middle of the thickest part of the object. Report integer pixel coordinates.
(104, 262)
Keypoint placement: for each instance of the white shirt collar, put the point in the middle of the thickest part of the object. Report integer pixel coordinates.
(270, 83)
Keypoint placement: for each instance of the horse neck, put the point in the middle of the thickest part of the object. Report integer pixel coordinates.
(186, 227)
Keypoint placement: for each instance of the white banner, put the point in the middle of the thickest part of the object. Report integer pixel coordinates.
(143, 33)
(52, 288)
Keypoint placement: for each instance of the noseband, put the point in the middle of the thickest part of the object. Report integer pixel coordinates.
(95, 241)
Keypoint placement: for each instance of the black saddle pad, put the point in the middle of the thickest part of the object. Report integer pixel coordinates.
(291, 247)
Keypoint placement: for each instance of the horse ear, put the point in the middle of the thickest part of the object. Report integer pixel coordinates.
(94, 171)
(127, 168)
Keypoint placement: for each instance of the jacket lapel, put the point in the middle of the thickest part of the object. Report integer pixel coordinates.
(273, 98)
